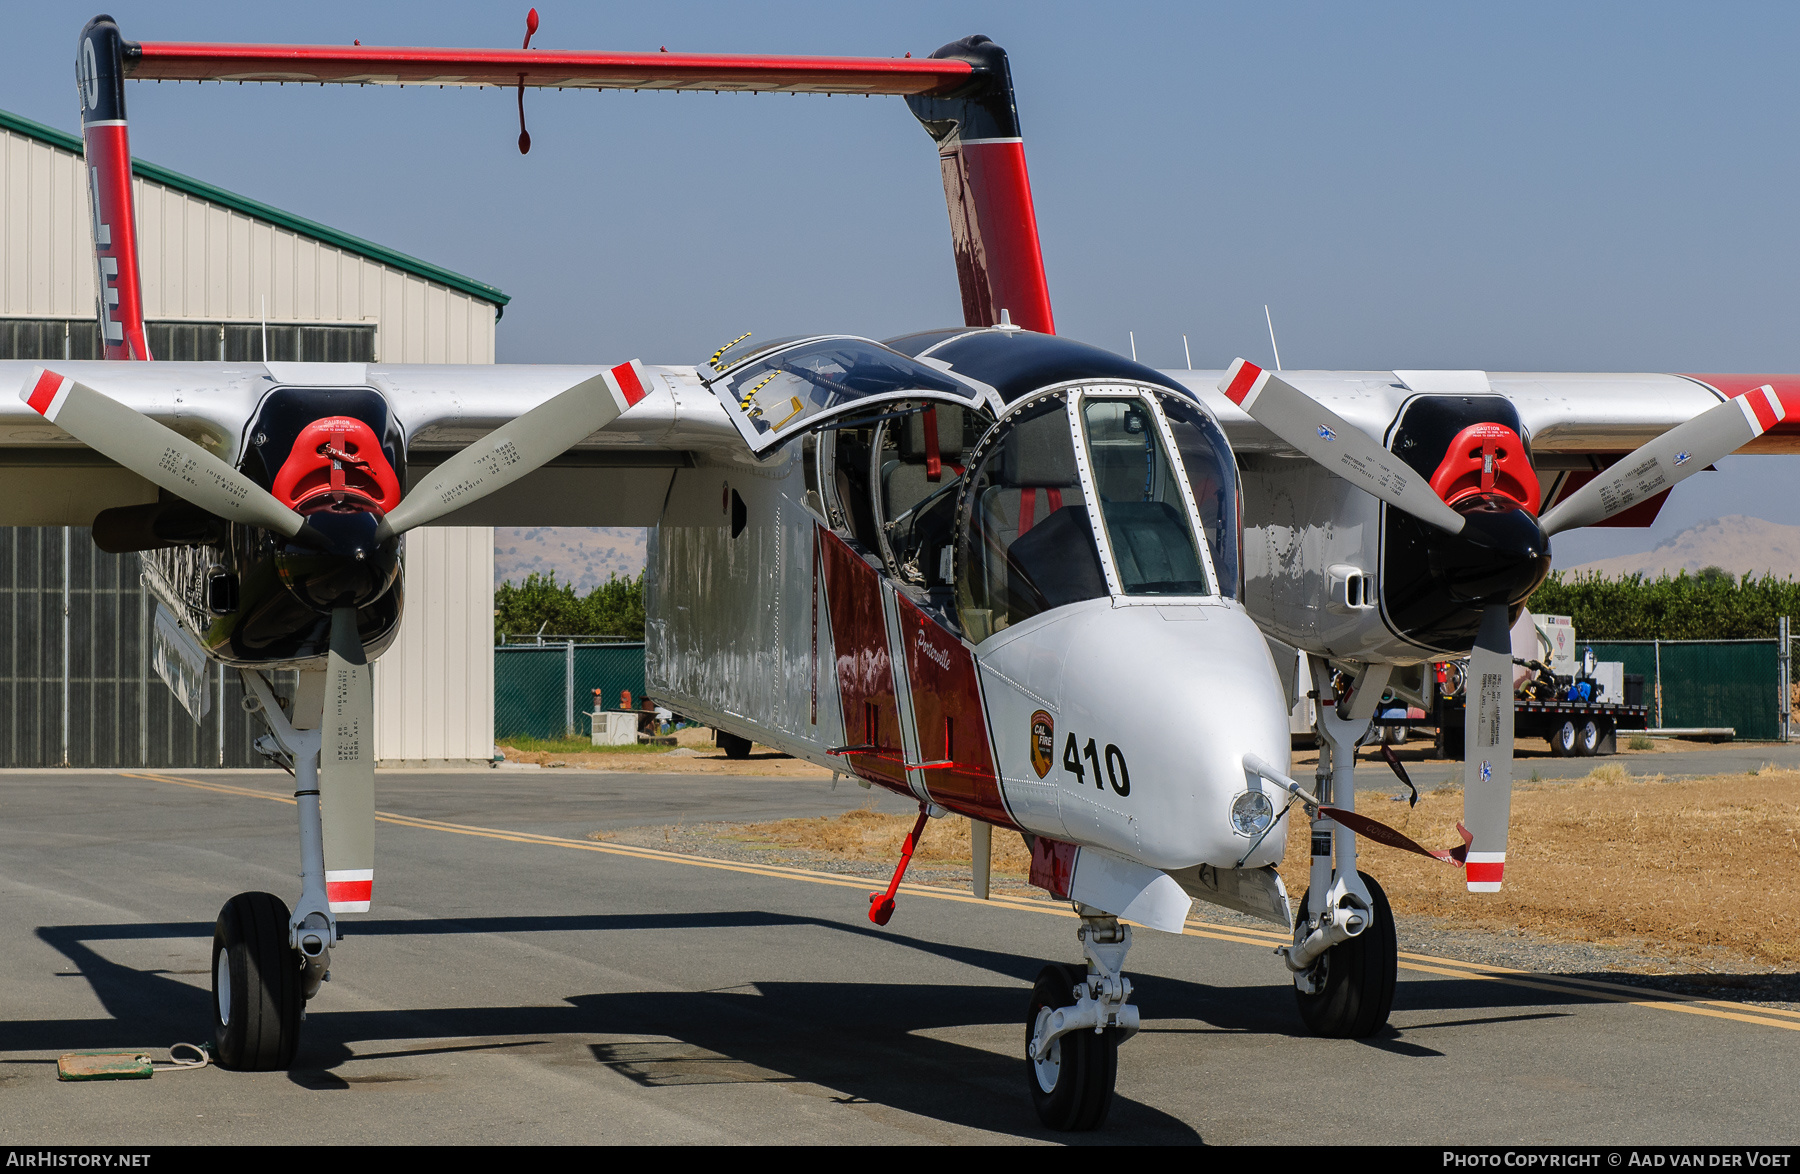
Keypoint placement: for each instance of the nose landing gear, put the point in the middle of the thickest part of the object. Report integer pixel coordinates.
(1079, 1015)
(1345, 956)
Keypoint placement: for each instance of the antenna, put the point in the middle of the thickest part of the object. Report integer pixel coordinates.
(1188, 353)
(1272, 346)
(1132, 334)
(265, 320)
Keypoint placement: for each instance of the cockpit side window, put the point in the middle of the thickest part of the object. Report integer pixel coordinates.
(1141, 502)
(1025, 544)
(1213, 477)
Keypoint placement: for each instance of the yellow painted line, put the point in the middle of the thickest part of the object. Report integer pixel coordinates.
(1422, 963)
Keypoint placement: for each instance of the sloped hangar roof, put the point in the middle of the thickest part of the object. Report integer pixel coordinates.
(325, 234)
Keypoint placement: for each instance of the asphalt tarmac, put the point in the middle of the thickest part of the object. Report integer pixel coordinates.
(519, 983)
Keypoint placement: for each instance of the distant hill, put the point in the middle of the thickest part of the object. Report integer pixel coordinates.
(581, 555)
(1736, 543)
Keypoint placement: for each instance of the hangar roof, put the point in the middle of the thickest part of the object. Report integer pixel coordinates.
(325, 234)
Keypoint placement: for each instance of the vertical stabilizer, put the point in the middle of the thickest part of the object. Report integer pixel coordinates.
(100, 78)
(993, 225)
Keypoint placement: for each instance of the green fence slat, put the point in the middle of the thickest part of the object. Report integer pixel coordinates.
(1707, 684)
(531, 686)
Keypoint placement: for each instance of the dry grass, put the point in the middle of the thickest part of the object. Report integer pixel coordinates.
(1684, 865)
(871, 835)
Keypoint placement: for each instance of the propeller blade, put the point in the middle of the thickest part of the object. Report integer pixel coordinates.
(1672, 457)
(521, 446)
(1488, 750)
(1327, 438)
(347, 769)
(155, 453)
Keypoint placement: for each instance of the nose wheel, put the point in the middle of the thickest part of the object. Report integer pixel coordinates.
(257, 985)
(1072, 1083)
(1348, 992)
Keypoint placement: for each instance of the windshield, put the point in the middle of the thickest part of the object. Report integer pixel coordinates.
(1025, 544)
(1141, 500)
(776, 395)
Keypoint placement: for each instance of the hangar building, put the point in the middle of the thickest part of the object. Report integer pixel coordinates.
(76, 686)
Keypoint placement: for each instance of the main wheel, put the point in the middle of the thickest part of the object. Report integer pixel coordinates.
(1587, 740)
(733, 746)
(256, 985)
(1072, 1087)
(1357, 991)
(1565, 741)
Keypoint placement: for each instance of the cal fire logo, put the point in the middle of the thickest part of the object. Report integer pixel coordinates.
(1043, 742)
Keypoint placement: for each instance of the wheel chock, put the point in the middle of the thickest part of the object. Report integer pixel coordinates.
(104, 1066)
(135, 1065)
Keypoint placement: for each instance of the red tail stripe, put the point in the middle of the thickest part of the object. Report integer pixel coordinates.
(44, 392)
(629, 383)
(1483, 870)
(1241, 382)
(350, 890)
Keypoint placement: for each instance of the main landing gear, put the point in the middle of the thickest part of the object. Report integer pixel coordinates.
(1345, 956)
(1079, 1016)
(267, 962)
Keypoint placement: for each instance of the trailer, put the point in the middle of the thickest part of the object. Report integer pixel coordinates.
(1573, 728)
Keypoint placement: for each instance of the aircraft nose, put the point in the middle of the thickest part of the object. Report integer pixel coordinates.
(1160, 704)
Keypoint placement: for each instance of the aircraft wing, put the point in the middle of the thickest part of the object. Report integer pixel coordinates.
(617, 476)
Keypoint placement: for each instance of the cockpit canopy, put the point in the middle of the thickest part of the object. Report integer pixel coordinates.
(793, 385)
(1095, 490)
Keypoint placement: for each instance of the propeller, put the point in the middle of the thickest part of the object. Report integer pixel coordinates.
(158, 454)
(1488, 750)
(520, 446)
(347, 769)
(175, 463)
(1327, 438)
(1668, 460)
(1333, 442)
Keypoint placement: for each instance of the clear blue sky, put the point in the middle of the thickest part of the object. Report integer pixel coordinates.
(1517, 187)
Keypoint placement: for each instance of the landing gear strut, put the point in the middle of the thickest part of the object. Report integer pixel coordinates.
(267, 962)
(1345, 956)
(1079, 1015)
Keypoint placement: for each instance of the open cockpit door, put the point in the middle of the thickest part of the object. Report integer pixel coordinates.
(798, 385)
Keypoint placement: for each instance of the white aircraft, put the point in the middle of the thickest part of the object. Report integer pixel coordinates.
(1011, 576)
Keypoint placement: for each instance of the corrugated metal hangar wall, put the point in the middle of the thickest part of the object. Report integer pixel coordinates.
(75, 680)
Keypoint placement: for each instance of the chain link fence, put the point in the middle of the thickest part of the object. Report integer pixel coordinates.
(546, 689)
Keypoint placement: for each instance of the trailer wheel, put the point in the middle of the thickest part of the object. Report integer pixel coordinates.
(1565, 741)
(1588, 740)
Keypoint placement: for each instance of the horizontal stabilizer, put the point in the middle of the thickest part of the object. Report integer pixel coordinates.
(562, 69)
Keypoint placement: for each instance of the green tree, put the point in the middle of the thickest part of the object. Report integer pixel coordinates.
(1713, 605)
(615, 608)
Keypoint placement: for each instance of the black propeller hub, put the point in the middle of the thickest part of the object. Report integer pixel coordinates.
(1500, 557)
(339, 559)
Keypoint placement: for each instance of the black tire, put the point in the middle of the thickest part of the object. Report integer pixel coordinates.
(1083, 1065)
(1359, 978)
(1564, 741)
(732, 745)
(1587, 740)
(256, 1027)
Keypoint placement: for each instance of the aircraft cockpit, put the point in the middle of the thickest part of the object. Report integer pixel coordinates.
(1092, 491)
(988, 488)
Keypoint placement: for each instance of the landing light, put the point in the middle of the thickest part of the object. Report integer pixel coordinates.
(1251, 813)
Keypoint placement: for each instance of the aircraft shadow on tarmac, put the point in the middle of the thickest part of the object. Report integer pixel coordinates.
(862, 1039)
